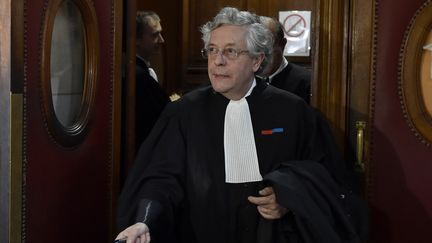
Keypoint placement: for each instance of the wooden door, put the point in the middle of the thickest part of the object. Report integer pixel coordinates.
(380, 73)
(400, 164)
(63, 180)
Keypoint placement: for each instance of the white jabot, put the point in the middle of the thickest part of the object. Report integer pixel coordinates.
(153, 74)
(241, 159)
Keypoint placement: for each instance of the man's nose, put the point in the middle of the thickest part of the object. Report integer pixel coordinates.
(219, 58)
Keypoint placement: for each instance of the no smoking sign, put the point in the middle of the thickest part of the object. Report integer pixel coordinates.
(296, 25)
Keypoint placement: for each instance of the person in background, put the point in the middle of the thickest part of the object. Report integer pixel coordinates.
(239, 161)
(150, 97)
(281, 73)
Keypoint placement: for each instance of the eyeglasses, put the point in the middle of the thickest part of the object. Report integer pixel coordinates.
(229, 53)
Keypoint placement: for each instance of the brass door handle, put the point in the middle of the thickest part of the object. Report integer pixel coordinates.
(360, 126)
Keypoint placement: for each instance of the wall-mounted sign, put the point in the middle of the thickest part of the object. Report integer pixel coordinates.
(296, 26)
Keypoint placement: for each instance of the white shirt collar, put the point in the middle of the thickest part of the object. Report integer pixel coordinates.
(251, 88)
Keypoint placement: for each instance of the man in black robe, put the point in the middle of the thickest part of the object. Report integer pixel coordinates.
(281, 73)
(199, 176)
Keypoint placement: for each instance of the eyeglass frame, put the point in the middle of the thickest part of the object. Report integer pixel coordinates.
(206, 53)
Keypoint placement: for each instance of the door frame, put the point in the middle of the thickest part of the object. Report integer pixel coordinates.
(343, 70)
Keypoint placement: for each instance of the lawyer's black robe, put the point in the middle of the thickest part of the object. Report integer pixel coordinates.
(180, 170)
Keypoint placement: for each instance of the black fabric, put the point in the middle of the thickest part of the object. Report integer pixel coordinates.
(295, 79)
(151, 99)
(317, 203)
(149, 211)
(243, 219)
(181, 165)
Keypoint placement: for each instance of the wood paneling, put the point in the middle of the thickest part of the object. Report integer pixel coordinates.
(11, 118)
(330, 64)
(360, 61)
(167, 64)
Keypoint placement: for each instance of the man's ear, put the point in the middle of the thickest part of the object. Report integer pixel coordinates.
(257, 62)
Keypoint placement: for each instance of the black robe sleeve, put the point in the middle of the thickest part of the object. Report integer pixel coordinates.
(153, 188)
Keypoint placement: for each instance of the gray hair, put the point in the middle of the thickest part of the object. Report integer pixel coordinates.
(143, 21)
(258, 38)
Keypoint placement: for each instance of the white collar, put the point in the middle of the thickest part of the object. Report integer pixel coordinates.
(251, 88)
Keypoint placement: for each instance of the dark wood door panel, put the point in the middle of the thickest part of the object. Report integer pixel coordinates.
(399, 194)
(67, 190)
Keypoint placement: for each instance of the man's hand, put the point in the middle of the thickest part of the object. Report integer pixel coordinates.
(267, 205)
(137, 233)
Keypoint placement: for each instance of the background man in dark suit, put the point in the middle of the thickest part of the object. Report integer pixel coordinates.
(150, 98)
(281, 73)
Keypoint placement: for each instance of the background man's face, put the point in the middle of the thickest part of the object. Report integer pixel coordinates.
(275, 60)
(150, 41)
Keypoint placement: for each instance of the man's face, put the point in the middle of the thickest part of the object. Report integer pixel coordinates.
(150, 41)
(231, 77)
(275, 60)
